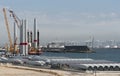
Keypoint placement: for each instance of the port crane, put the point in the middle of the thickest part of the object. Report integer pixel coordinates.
(11, 49)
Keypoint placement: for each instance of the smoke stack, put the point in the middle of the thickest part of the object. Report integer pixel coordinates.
(35, 34)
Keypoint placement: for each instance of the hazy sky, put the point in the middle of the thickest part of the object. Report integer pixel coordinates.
(66, 20)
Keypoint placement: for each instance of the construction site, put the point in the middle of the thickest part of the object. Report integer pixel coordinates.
(26, 52)
(29, 40)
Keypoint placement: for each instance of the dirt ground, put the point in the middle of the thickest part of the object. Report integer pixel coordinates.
(4, 71)
(27, 71)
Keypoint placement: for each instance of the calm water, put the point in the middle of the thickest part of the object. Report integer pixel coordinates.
(104, 54)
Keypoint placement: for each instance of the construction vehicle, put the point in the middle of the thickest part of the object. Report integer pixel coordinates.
(11, 47)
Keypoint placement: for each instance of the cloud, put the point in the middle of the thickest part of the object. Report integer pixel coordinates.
(110, 15)
(68, 25)
(69, 18)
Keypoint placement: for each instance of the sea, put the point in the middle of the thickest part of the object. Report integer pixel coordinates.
(110, 54)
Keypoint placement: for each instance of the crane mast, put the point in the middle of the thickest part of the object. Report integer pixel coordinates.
(8, 30)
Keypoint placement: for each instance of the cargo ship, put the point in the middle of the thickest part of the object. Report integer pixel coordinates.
(61, 47)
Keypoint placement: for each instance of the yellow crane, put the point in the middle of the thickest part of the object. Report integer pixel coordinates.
(18, 22)
(11, 49)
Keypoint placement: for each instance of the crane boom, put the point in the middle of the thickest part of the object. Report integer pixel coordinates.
(16, 19)
(7, 26)
(18, 22)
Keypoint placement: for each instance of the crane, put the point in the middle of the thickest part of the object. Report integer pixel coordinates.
(8, 31)
(16, 19)
(18, 22)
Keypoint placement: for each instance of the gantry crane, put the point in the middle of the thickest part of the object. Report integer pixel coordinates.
(11, 49)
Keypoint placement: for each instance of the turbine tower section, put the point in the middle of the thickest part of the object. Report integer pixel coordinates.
(23, 39)
(15, 38)
(22, 48)
(26, 41)
(35, 34)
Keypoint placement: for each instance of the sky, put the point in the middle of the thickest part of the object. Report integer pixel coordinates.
(66, 20)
